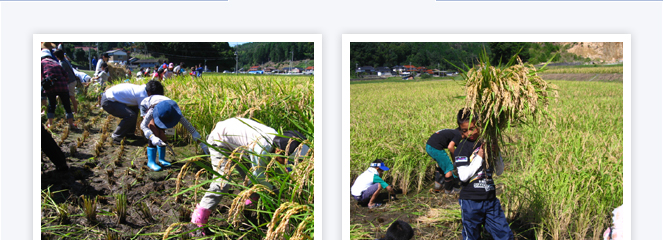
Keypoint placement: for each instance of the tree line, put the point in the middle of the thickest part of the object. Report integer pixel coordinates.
(211, 54)
(449, 55)
(257, 53)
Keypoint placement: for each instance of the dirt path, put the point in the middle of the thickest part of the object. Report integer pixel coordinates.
(114, 169)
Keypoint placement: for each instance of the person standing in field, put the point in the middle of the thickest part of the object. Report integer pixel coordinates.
(253, 140)
(160, 113)
(104, 59)
(122, 101)
(368, 185)
(478, 201)
(436, 147)
(52, 72)
(73, 79)
(94, 61)
(199, 70)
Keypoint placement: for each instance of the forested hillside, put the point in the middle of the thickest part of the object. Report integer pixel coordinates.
(444, 55)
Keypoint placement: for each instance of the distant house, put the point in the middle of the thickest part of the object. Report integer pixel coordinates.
(366, 69)
(147, 63)
(254, 68)
(309, 70)
(117, 56)
(410, 68)
(269, 69)
(383, 71)
(292, 70)
(398, 69)
(421, 69)
(86, 48)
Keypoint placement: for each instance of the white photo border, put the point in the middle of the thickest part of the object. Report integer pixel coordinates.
(349, 38)
(317, 107)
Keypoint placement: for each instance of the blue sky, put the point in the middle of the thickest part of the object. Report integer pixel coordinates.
(232, 44)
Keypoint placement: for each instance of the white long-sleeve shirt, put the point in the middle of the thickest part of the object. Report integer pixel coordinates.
(468, 172)
(236, 132)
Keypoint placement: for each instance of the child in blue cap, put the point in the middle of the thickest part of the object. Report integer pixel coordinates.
(160, 113)
(368, 185)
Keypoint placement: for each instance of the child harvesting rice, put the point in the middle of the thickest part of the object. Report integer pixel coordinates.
(160, 113)
(478, 203)
(368, 185)
(435, 147)
(252, 140)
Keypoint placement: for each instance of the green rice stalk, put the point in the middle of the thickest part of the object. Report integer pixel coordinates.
(121, 208)
(90, 209)
(145, 212)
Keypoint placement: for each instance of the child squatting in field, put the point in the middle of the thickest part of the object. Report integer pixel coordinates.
(160, 113)
(435, 147)
(368, 185)
(478, 202)
(252, 140)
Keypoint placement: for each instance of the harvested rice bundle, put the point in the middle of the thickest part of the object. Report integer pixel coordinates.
(503, 95)
(118, 72)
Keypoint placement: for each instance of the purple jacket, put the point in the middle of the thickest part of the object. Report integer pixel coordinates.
(51, 68)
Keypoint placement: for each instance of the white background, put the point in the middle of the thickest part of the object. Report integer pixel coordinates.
(20, 20)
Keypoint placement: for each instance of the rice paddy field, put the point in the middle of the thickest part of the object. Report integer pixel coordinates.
(109, 193)
(562, 179)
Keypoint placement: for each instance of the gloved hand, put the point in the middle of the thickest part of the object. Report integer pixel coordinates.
(156, 141)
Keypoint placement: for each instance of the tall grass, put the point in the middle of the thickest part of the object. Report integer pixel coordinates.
(560, 182)
(281, 102)
(284, 102)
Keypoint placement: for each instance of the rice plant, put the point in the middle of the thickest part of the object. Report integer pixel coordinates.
(61, 209)
(90, 209)
(121, 207)
(145, 212)
(504, 95)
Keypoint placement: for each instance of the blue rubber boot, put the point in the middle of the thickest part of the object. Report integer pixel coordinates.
(151, 159)
(162, 156)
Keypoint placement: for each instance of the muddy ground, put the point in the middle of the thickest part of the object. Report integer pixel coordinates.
(115, 171)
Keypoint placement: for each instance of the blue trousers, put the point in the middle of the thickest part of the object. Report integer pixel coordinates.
(484, 212)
